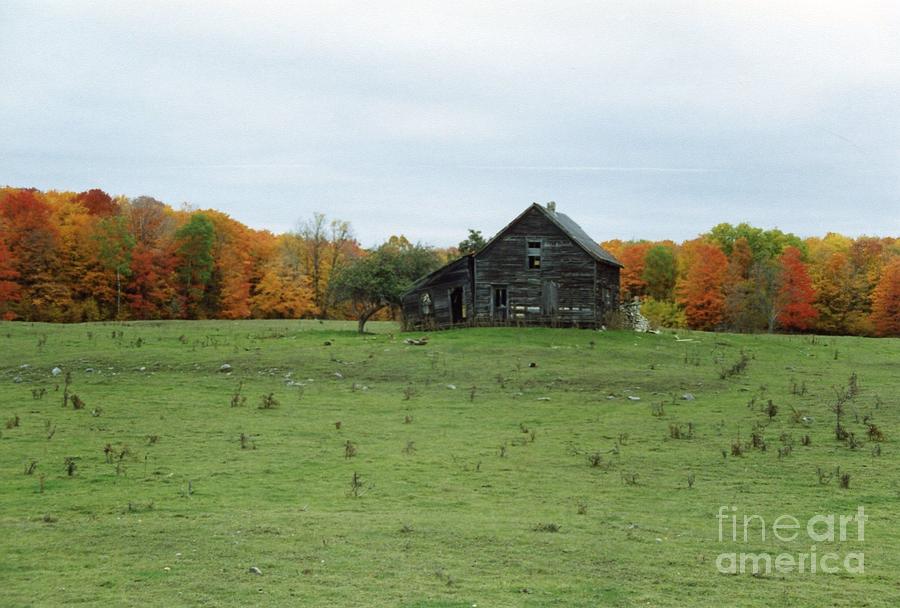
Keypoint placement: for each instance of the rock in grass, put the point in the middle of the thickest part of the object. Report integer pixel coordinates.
(687, 397)
(633, 398)
(255, 570)
(56, 371)
(225, 368)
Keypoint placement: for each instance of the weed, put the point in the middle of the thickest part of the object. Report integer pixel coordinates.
(771, 410)
(676, 431)
(71, 465)
(845, 481)
(77, 403)
(268, 402)
(349, 449)
(548, 527)
(629, 479)
(874, 432)
(737, 447)
(30, 467)
(409, 448)
(13, 422)
(806, 441)
(357, 486)
(237, 399)
(738, 367)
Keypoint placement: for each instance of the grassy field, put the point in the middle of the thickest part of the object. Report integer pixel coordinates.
(494, 467)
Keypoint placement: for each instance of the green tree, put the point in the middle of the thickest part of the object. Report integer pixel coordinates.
(473, 242)
(195, 258)
(379, 279)
(116, 244)
(660, 273)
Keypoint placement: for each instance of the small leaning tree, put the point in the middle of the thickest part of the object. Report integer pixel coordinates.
(378, 279)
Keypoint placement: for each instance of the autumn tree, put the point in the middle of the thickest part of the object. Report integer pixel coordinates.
(32, 237)
(631, 277)
(10, 291)
(795, 294)
(700, 290)
(151, 290)
(283, 291)
(886, 301)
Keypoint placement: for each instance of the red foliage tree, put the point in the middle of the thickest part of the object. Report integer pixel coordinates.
(9, 288)
(97, 202)
(886, 301)
(796, 294)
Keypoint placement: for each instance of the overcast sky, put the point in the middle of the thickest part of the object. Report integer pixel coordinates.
(641, 119)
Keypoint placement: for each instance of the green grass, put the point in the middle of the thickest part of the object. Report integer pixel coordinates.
(452, 522)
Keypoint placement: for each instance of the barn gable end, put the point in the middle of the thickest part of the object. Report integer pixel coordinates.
(541, 269)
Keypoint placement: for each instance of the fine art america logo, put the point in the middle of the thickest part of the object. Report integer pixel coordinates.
(744, 528)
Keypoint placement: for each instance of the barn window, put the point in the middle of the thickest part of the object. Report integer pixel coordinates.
(425, 302)
(534, 254)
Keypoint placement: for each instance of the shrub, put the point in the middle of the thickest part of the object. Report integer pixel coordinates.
(663, 314)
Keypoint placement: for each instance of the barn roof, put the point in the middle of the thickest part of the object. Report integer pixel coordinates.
(571, 229)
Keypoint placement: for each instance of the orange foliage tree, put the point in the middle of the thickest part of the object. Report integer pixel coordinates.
(631, 277)
(700, 289)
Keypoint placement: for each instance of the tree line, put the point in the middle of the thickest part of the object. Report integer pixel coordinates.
(88, 256)
(746, 279)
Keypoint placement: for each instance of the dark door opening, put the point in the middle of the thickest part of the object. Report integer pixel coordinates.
(499, 304)
(457, 314)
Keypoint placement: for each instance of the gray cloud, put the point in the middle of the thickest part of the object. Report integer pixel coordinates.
(643, 119)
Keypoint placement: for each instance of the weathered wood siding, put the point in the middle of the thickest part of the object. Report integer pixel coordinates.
(577, 275)
(439, 287)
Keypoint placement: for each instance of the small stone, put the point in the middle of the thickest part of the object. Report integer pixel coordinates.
(24, 366)
(532, 364)
(225, 368)
(543, 398)
(687, 397)
(338, 375)
(255, 570)
(633, 398)
(56, 371)
(89, 370)
(452, 387)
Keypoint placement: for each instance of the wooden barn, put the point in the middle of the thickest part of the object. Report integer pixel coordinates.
(542, 269)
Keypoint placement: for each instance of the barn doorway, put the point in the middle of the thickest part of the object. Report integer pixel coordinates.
(457, 314)
(499, 304)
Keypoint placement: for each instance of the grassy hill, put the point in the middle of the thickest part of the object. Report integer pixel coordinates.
(493, 467)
